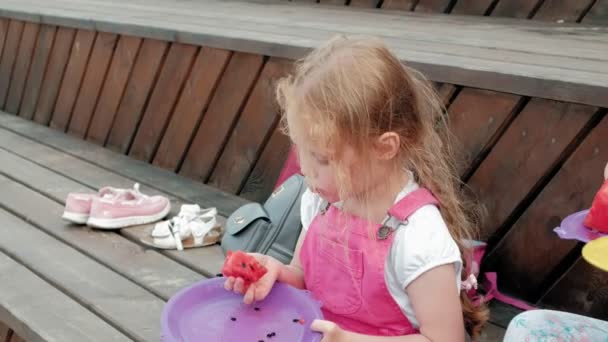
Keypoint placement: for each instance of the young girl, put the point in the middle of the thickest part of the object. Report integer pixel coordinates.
(383, 224)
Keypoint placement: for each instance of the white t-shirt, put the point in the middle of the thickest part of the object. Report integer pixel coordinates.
(422, 244)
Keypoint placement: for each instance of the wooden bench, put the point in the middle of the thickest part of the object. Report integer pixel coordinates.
(66, 283)
(187, 86)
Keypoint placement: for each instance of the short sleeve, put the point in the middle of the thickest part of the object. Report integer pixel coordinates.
(424, 243)
(309, 208)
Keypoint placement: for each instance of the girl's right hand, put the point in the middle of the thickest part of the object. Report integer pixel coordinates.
(259, 290)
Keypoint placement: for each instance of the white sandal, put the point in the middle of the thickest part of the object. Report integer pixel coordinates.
(191, 228)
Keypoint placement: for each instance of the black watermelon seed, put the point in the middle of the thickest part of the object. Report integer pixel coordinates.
(256, 309)
(233, 319)
(296, 320)
(244, 265)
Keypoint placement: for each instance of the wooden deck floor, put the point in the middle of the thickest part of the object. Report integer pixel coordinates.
(72, 283)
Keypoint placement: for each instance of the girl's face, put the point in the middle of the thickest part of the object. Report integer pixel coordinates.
(320, 167)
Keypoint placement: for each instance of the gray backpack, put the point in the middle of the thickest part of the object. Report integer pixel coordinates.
(272, 228)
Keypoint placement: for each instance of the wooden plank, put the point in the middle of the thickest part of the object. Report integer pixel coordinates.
(136, 94)
(472, 7)
(207, 261)
(447, 93)
(333, 2)
(404, 5)
(35, 309)
(148, 268)
(3, 331)
(22, 66)
(4, 22)
(571, 190)
(40, 60)
(223, 111)
(583, 290)
(72, 78)
(256, 124)
(53, 75)
(364, 3)
(503, 183)
(497, 74)
(94, 77)
(162, 101)
(130, 169)
(113, 88)
(562, 10)
(478, 118)
(261, 180)
(598, 14)
(433, 6)
(516, 8)
(93, 285)
(9, 55)
(194, 100)
(17, 338)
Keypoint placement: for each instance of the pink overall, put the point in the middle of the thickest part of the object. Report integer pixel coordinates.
(344, 265)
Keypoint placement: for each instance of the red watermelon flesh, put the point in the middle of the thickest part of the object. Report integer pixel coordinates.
(598, 214)
(242, 265)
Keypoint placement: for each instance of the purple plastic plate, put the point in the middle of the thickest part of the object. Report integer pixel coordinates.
(205, 311)
(572, 228)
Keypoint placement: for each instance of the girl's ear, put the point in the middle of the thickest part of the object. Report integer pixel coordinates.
(387, 145)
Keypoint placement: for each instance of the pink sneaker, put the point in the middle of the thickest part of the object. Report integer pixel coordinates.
(78, 205)
(127, 209)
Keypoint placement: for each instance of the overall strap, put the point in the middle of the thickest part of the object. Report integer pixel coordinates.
(412, 202)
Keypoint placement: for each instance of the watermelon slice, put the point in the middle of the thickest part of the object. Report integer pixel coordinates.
(242, 265)
(598, 214)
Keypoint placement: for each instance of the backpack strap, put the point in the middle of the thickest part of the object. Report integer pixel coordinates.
(412, 202)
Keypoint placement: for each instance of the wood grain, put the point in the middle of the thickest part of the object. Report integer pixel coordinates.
(256, 124)
(162, 101)
(9, 55)
(40, 60)
(224, 109)
(94, 77)
(93, 285)
(22, 67)
(72, 78)
(432, 6)
(562, 10)
(194, 100)
(113, 88)
(472, 7)
(36, 308)
(583, 290)
(477, 118)
(53, 75)
(598, 13)
(261, 180)
(133, 103)
(525, 153)
(404, 5)
(571, 190)
(515, 8)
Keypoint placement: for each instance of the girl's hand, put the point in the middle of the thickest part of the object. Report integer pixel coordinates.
(330, 330)
(260, 289)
